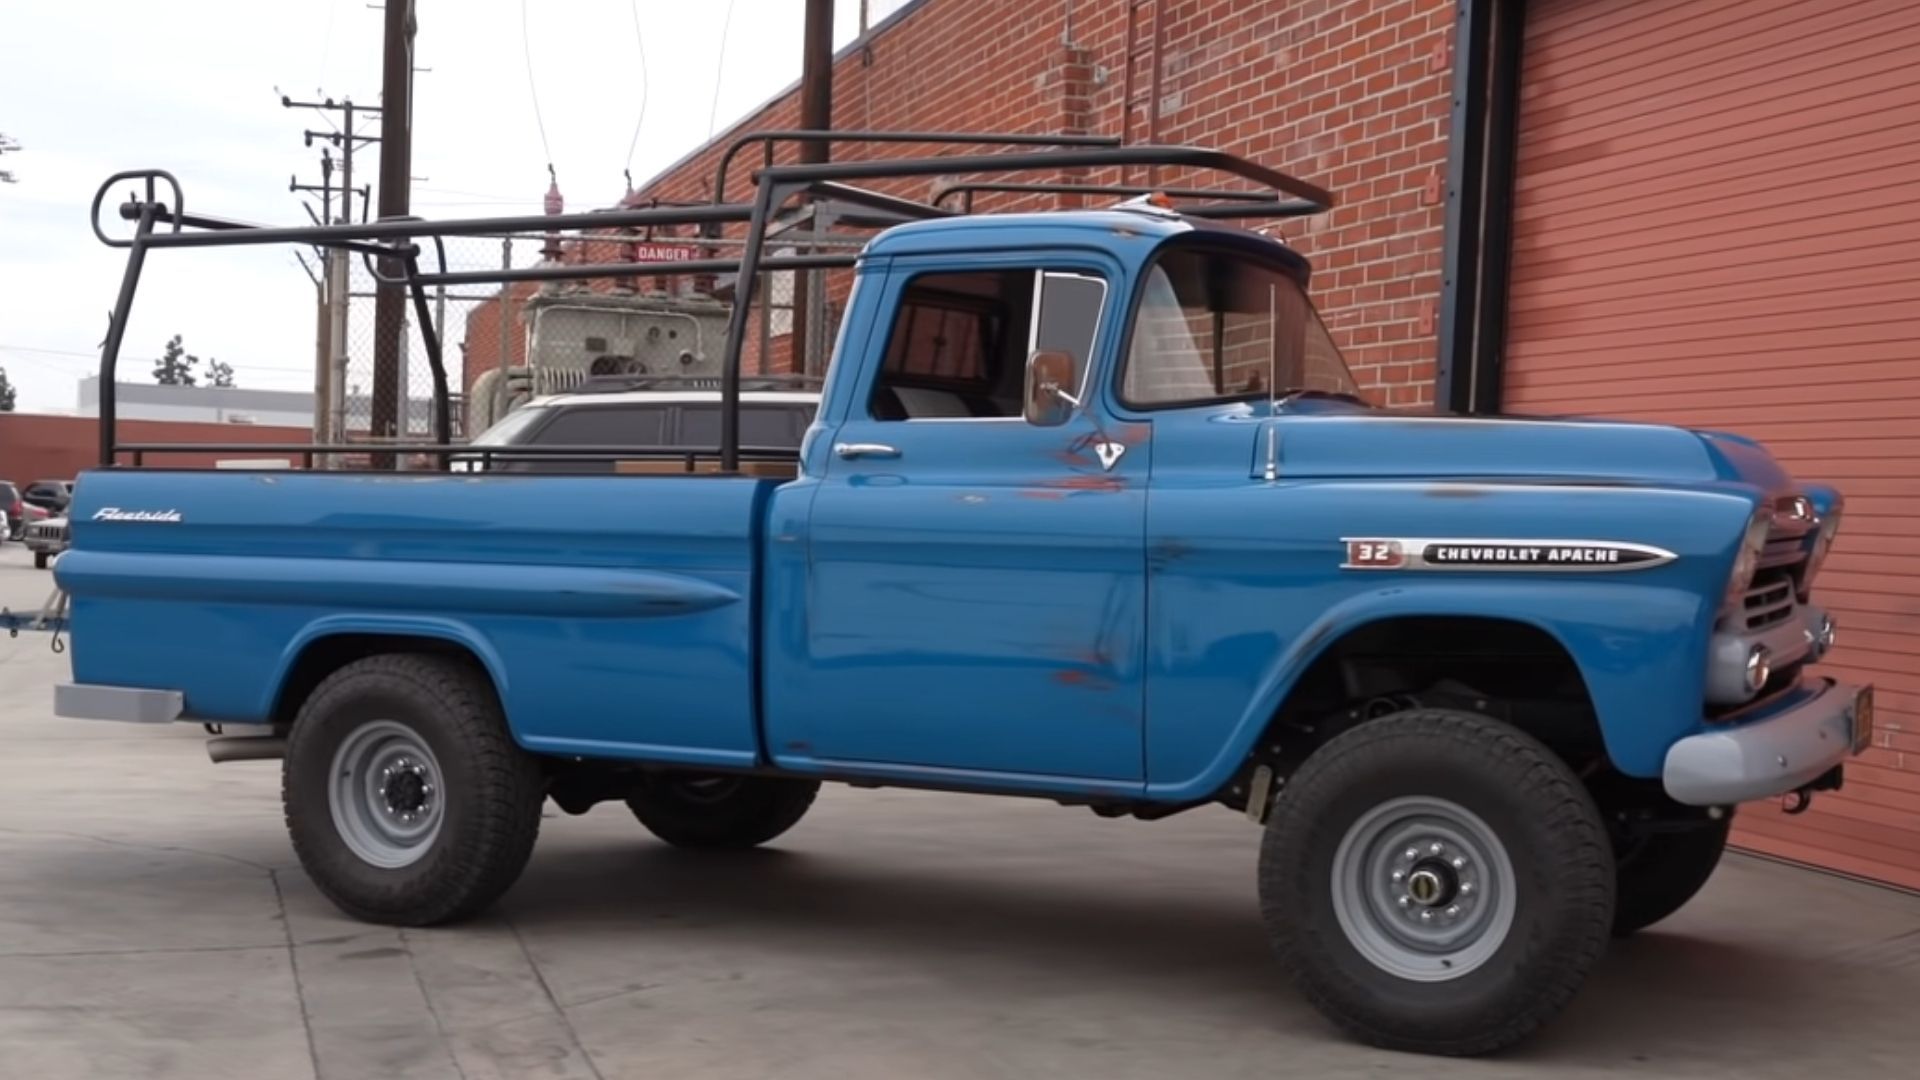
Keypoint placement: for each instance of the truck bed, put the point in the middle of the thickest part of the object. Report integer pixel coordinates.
(612, 625)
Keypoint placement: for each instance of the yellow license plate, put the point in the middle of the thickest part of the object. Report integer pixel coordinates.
(1862, 718)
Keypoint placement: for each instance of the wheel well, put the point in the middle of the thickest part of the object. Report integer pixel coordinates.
(323, 656)
(1509, 670)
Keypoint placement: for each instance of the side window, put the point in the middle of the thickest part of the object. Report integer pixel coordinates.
(597, 425)
(959, 344)
(761, 426)
(605, 425)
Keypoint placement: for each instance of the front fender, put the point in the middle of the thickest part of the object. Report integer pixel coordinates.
(1641, 649)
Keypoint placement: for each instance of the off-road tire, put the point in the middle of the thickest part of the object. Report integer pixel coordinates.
(1660, 872)
(493, 790)
(1551, 832)
(735, 812)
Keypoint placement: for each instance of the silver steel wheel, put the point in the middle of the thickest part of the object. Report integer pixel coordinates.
(1423, 889)
(386, 794)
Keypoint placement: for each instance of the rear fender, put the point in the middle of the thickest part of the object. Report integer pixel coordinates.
(452, 631)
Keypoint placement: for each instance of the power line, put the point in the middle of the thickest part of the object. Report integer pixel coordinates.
(719, 68)
(526, 52)
(640, 43)
(326, 43)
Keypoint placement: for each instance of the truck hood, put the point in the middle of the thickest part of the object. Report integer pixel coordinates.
(1387, 445)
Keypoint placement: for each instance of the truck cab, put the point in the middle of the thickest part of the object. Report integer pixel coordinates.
(1091, 510)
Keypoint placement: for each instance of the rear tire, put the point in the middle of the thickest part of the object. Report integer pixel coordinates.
(406, 798)
(1661, 872)
(717, 811)
(1436, 881)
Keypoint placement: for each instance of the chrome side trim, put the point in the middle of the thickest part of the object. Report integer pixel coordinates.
(1500, 554)
(128, 705)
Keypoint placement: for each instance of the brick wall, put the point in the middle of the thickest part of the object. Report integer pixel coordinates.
(35, 447)
(1351, 94)
(480, 348)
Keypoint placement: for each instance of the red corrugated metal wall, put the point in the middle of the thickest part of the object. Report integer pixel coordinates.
(1718, 224)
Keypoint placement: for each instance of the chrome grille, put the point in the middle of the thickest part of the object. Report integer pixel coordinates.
(1783, 551)
(41, 530)
(1769, 601)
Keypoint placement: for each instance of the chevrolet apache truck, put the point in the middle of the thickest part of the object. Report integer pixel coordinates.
(1092, 511)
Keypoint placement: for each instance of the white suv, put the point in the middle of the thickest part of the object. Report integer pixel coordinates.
(644, 412)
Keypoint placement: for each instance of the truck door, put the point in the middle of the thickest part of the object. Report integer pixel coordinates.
(976, 595)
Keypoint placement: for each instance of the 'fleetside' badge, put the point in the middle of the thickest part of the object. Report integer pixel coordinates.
(1443, 553)
(114, 513)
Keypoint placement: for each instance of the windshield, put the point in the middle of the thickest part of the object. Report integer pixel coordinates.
(1217, 327)
(510, 426)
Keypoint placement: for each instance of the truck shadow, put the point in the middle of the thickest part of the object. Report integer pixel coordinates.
(1667, 998)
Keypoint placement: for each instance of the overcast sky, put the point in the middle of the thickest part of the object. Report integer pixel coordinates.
(92, 88)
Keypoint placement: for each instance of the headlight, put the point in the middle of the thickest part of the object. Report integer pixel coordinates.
(1823, 543)
(1746, 562)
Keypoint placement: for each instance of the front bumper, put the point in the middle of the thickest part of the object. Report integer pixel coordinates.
(1821, 725)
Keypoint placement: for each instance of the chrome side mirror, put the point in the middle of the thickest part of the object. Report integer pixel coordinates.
(1049, 401)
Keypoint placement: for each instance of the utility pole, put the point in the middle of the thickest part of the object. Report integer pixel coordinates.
(323, 318)
(330, 395)
(816, 114)
(396, 162)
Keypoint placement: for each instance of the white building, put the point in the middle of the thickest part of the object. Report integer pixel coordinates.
(234, 405)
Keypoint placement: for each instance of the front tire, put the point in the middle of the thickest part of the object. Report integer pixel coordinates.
(1437, 882)
(696, 810)
(39, 560)
(1661, 872)
(407, 800)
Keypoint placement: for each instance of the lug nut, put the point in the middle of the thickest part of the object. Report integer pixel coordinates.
(1436, 848)
(1406, 901)
(1426, 915)
(1399, 876)
(1466, 888)
(1459, 863)
(1453, 911)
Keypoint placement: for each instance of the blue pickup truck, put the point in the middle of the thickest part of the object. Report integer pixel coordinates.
(1093, 512)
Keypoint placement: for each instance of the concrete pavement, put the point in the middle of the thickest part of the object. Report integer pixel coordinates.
(153, 924)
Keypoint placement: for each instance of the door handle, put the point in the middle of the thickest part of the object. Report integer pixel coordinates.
(865, 450)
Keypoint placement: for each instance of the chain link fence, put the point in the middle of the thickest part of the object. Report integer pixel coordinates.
(503, 345)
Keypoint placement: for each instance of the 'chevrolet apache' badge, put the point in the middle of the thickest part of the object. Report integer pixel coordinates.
(1435, 553)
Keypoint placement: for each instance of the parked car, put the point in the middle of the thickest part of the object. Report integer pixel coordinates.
(642, 411)
(13, 512)
(16, 513)
(52, 495)
(1092, 511)
(46, 538)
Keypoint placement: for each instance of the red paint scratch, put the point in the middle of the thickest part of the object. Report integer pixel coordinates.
(1081, 679)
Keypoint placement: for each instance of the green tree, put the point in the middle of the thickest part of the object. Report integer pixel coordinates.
(8, 145)
(219, 372)
(6, 392)
(175, 366)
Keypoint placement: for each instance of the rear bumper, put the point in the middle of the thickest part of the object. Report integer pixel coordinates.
(1790, 747)
(84, 701)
